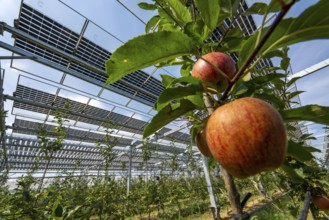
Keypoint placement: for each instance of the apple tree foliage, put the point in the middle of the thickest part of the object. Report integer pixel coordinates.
(181, 32)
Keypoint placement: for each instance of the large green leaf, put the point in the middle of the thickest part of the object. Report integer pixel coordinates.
(166, 80)
(316, 113)
(291, 172)
(180, 12)
(298, 151)
(262, 8)
(180, 88)
(167, 115)
(228, 8)
(209, 11)
(312, 24)
(146, 50)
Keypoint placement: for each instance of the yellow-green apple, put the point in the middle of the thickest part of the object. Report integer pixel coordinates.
(247, 136)
(207, 73)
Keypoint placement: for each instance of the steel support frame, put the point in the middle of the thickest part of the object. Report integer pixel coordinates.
(213, 206)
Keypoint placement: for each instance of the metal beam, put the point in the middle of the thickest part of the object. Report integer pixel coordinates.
(16, 57)
(310, 69)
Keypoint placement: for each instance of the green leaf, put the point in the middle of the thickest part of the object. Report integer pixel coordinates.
(228, 8)
(293, 80)
(312, 24)
(257, 8)
(180, 88)
(312, 149)
(294, 94)
(271, 98)
(186, 69)
(197, 30)
(147, 50)
(197, 100)
(285, 62)
(316, 113)
(152, 23)
(147, 6)
(167, 80)
(180, 12)
(267, 78)
(291, 173)
(73, 211)
(57, 210)
(298, 151)
(262, 8)
(209, 11)
(167, 115)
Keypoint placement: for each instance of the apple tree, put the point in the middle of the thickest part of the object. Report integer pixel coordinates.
(183, 33)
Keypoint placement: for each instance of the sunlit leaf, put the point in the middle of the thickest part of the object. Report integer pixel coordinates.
(180, 88)
(147, 6)
(197, 100)
(147, 50)
(316, 113)
(152, 23)
(186, 70)
(209, 11)
(257, 8)
(179, 11)
(167, 115)
(166, 80)
(312, 24)
(262, 8)
(197, 30)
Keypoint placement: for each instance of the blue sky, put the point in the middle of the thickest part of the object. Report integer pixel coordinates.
(115, 25)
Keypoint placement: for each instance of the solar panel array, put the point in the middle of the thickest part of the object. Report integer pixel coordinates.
(41, 36)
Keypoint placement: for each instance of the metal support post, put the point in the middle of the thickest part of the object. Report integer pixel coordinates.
(129, 170)
(213, 207)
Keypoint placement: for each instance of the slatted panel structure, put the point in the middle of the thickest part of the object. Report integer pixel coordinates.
(55, 35)
(44, 37)
(116, 121)
(23, 152)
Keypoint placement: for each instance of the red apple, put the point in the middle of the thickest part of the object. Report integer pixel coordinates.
(201, 143)
(207, 73)
(247, 136)
(321, 202)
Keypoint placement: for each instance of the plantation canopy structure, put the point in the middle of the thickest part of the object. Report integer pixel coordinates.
(61, 69)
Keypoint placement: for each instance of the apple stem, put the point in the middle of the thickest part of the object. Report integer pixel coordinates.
(285, 8)
(231, 189)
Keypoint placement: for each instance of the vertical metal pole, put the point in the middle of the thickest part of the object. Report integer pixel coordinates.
(213, 206)
(129, 170)
(306, 206)
(98, 171)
